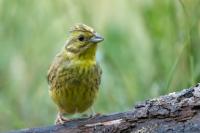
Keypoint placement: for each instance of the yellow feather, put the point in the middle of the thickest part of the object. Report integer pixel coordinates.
(74, 75)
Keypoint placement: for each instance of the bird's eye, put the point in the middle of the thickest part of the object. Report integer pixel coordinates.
(81, 38)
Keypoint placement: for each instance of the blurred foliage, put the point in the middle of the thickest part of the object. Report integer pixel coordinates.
(151, 48)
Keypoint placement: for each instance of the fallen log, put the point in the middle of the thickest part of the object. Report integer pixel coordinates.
(173, 113)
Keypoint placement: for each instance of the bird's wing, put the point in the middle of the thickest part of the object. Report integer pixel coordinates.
(53, 69)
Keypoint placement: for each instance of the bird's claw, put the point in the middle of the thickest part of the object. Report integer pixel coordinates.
(60, 119)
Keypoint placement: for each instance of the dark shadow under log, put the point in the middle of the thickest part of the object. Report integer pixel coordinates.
(174, 113)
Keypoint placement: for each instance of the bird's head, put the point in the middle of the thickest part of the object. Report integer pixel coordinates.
(82, 41)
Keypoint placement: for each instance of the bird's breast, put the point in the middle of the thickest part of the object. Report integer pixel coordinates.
(76, 86)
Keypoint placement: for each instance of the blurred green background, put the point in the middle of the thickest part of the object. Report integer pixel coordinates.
(151, 48)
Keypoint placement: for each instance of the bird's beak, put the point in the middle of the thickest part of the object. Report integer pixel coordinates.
(96, 38)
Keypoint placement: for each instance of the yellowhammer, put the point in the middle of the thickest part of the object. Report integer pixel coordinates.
(74, 76)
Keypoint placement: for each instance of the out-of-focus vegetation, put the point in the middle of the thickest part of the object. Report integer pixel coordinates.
(151, 47)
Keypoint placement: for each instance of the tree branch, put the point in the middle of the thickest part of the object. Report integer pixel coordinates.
(176, 112)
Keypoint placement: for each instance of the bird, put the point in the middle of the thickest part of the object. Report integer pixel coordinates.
(74, 75)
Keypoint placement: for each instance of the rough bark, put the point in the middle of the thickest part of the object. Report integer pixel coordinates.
(174, 113)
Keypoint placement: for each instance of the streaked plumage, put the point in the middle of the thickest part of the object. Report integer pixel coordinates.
(74, 75)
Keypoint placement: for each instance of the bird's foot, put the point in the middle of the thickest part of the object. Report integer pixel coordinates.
(95, 115)
(60, 119)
